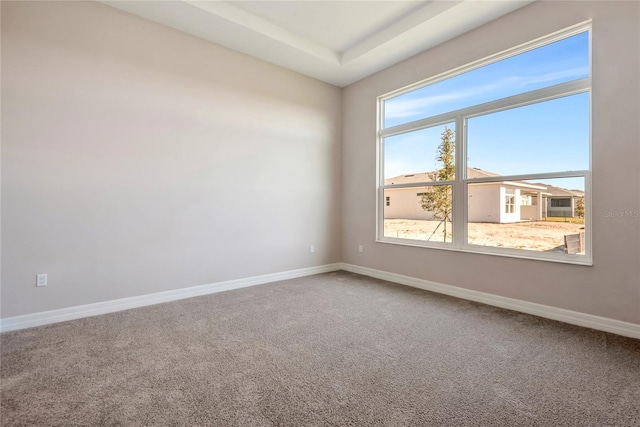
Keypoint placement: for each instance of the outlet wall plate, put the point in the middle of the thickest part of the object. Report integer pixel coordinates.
(41, 280)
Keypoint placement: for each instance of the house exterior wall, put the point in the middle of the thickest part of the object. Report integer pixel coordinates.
(485, 203)
(529, 213)
(404, 203)
(533, 212)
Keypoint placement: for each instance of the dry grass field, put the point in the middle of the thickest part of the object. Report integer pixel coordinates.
(532, 235)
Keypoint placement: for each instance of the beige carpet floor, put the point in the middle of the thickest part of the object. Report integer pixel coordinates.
(336, 349)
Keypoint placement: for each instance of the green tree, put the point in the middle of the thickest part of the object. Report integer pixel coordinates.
(580, 207)
(438, 198)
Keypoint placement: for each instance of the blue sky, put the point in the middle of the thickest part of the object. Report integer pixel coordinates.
(545, 137)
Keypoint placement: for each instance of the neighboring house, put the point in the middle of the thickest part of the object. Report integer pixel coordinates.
(499, 201)
(562, 202)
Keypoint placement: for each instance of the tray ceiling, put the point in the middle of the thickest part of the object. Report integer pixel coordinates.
(338, 42)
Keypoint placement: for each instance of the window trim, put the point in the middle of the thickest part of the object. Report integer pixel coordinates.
(460, 184)
(510, 203)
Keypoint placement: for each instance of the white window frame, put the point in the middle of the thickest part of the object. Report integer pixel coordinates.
(461, 182)
(509, 203)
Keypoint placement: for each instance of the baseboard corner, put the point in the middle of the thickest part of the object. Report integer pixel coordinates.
(604, 324)
(105, 307)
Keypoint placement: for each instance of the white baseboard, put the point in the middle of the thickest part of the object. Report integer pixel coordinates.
(71, 313)
(573, 317)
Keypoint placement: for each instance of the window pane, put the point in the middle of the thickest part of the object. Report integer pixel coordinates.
(550, 136)
(419, 213)
(553, 211)
(420, 156)
(558, 62)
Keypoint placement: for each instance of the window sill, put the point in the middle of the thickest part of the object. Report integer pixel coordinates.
(503, 252)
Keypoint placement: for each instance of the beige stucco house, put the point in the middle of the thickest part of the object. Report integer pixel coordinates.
(499, 201)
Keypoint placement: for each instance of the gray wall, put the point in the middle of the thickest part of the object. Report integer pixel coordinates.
(611, 287)
(137, 159)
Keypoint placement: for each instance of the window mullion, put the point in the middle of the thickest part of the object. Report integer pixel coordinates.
(529, 176)
(540, 95)
(418, 184)
(459, 204)
(380, 183)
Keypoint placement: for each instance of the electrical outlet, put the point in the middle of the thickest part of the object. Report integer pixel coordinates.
(313, 249)
(41, 280)
(360, 249)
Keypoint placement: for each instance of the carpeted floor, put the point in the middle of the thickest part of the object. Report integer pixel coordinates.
(333, 349)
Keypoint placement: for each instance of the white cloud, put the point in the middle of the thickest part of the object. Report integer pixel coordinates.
(404, 107)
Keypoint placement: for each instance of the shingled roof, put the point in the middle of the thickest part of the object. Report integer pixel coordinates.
(473, 173)
(425, 176)
(560, 192)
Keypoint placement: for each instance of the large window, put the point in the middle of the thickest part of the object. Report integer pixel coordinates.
(495, 157)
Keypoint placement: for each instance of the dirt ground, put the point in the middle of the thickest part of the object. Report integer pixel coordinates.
(533, 235)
